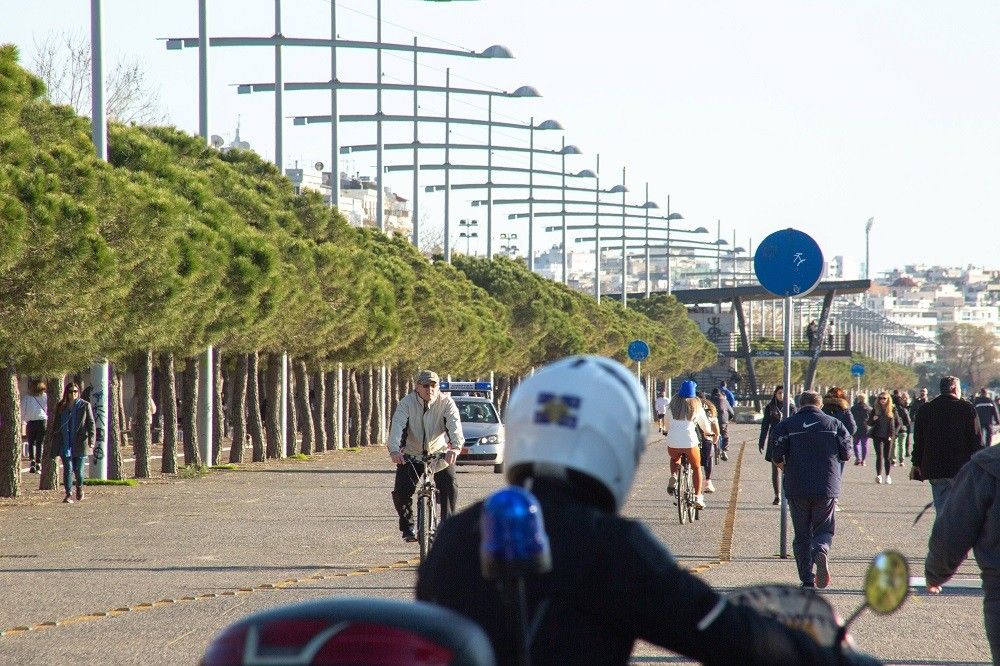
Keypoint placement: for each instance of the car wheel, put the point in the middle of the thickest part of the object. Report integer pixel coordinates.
(498, 469)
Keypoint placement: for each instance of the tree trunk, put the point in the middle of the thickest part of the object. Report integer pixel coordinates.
(10, 434)
(354, 422)
(303, 409)
(122, 416)
(368, 405)
(47, 478)
(273, 393)
(330, 410)
(157, 391)
(218, 407)
(189, 413)
(168, 411)
(142, 419)
(292, 426)
(237, 393)
(255, 423)
(318, 405)
(115, 435)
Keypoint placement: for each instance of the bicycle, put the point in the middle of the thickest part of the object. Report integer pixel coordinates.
(684, 495)
(427, 500)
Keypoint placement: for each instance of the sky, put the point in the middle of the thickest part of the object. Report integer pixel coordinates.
(756, 116)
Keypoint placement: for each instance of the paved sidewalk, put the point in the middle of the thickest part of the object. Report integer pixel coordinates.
(148, 575)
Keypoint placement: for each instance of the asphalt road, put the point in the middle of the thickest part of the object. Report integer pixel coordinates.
(148, 575)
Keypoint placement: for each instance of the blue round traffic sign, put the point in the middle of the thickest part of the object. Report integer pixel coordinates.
(788, 263)
(638, 350)
(858, 370)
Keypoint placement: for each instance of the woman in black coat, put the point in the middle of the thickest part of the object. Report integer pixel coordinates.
(774, 412)
(861, 411)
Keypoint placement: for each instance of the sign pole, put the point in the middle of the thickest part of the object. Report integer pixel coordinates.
(788, 412)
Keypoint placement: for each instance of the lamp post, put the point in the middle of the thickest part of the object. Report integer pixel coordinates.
(563, 152)
(868, 231)
(623, 190)
(647, 206)
(468, 234)
(671, 217)
(597, 239)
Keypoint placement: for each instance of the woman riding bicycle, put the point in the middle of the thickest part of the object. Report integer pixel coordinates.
(684, 417)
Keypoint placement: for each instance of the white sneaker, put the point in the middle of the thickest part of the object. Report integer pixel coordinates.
(699, 501)
(888, 479)
(878, 478)
(709, 488)
(672, 484)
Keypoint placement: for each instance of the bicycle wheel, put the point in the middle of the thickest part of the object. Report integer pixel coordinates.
(424, 518)
(682, 494)
(689, 498)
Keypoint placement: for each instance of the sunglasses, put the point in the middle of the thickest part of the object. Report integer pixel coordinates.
(431, 385)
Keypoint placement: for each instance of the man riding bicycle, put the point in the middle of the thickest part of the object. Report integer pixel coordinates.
(425, 422)
(575, 433)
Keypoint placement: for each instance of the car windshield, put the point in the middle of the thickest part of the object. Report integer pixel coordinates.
(476, 412)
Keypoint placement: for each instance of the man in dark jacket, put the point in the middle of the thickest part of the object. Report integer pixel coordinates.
(725, 414)
(810, 448)
(945, 436)
(989, 417)
(971, 519)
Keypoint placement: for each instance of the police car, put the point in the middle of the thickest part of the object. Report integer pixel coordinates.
(484, 432)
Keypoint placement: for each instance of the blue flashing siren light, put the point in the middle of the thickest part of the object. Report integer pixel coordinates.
(513, 542)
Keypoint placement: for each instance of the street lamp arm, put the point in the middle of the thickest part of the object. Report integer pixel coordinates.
(177, 43)
(247, 88)
(369, 147)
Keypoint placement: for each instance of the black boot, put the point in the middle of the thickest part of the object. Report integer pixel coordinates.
(79, 492)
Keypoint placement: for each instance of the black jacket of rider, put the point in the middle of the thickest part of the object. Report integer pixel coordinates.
(612, 582)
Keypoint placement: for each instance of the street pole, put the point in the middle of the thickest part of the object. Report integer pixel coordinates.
(489, 177)
(334, 125)
(868, 231)
(279, 161)
(624, 253)
(415, 213)
(563, 207)
(379, 147)
(597, 236)
(669, 283)
(531, 197)
(646, 208)
(206, 371)
(99, 372)
(783, 550)
(447, 165)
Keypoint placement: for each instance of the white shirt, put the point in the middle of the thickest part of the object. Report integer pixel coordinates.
(33, 407)
(661, 405)
(682, 434)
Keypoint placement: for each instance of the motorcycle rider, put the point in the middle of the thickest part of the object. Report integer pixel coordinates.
(575, 433)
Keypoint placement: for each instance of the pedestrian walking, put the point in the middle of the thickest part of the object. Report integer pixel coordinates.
(835, 404)
(901, 443)
(810, 448)
(971, 519)
(989, 417)
(946, 434)
(661, 408)
(34, 415)
(730, 396)
(709, 440)
(811, 333)
(75, 420)
(774, 411)
(725, 414)
(861, 411)
(884, 424)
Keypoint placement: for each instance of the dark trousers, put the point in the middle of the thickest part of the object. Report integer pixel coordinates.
(774, 479)
(706, 457)
(813, 520)
(860, 447)
(883, 451)
(991, 616)
(723, 436)
(407, 475)
(72, 470)
(36, 437)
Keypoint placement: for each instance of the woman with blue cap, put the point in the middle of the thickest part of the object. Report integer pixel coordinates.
(685, 416)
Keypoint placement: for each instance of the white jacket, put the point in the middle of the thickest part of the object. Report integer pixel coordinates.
(418, 427)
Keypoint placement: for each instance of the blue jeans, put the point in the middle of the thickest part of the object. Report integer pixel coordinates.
(813, 520)
(939, 491)
(74, 465)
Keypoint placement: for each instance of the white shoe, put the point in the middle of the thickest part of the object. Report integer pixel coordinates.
(672, 484)
(878, 479)
(699, 501)
(888, 479)
(709, 488)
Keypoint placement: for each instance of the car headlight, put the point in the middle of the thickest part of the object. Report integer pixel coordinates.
(489, 439)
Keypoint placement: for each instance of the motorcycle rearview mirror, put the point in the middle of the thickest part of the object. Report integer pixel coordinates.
(887, 585)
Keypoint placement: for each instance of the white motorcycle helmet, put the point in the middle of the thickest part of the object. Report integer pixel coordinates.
(587, 414)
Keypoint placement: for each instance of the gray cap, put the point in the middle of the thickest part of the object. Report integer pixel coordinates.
(428, 376)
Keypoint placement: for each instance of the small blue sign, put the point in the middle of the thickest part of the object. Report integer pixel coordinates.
(638, 350)
(788, 263)
(858, 370)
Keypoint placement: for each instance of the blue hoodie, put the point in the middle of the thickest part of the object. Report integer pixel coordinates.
(812, 445)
